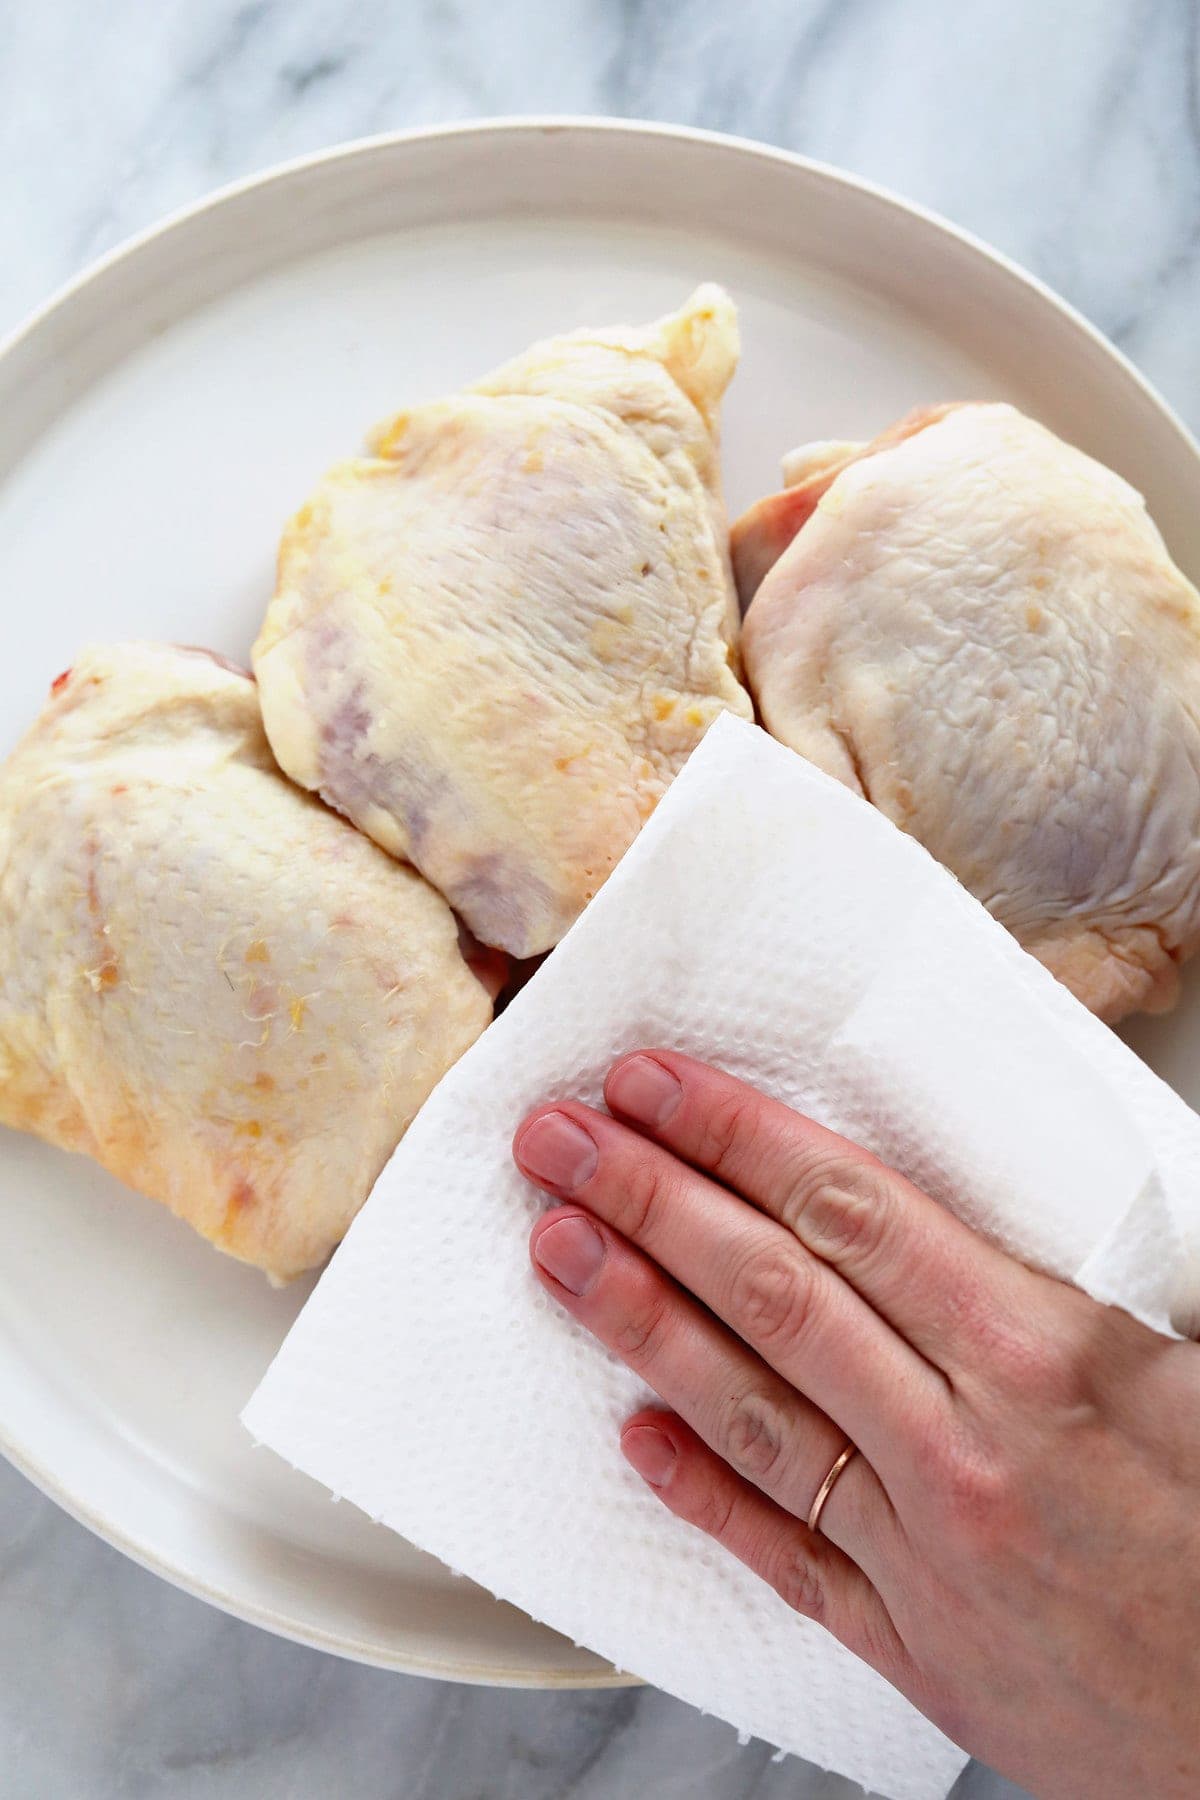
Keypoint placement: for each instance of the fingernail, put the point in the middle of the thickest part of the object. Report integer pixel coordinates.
(557, 1151)
(571, 1250)
(650, 1452)
(643, 1089)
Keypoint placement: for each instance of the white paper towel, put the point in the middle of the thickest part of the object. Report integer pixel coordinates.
(773, 923)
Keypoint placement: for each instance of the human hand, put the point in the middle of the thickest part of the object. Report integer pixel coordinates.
(1016, 1543)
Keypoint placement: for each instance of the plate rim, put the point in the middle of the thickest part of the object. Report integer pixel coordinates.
(549, 124)
(309, 1637)
(178, 220)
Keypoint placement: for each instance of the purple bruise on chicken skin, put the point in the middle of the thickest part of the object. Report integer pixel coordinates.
(495, 642)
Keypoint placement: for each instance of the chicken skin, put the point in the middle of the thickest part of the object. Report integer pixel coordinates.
(979, 628)
(495, 641)
(209, 982)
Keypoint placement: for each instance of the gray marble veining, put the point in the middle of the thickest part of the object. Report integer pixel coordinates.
(115, 1687)
(1065, 131)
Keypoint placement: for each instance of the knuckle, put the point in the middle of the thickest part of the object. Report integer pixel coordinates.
(840, 1206)
(1022, 1363)
(643, 1197)
(771, 1297)
(977, 1494)
(724, 1128)
(1036, 1367)
(797, 1579)
(752, 1435)
(638, 1336)
(1027, 1366)
(712, 1510)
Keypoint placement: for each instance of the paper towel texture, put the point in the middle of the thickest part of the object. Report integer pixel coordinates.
(773, 923)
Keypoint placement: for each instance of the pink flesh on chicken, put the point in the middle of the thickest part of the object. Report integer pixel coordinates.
(979, 629)
(763, 532)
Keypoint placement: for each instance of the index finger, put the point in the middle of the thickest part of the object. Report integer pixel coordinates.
(932, 1278)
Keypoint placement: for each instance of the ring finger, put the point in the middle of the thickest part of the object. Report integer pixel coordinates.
(806, 1570)
(754, 1421)
(790, 1307)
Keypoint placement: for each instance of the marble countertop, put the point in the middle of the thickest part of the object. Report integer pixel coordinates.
(1067, 134)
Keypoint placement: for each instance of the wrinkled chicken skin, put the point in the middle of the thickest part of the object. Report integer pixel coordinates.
(979, 628)
(764, 531)
(496, 641)
(208, 982)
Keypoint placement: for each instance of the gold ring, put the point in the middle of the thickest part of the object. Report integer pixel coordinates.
(826, 1487)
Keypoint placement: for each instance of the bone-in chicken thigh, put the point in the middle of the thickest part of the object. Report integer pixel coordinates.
(978, 627)
(208, 981)
(495, 641)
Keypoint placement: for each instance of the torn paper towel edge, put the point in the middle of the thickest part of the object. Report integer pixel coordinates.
(1148, 1198)
(938, 1753)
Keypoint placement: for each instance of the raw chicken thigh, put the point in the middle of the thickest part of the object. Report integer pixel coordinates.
(496, 641)
(209, 982)
(979, 628)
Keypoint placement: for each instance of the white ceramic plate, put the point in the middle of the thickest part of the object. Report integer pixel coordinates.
(158, 421)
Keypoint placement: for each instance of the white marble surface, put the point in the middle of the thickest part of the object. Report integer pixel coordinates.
(1066, 131)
